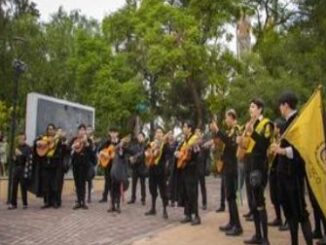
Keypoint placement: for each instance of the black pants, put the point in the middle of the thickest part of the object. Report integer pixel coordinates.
(158, 182)
(248, 186)
(107, 183)
(274, 195)
(222, 195)
(291, 190)
(50, 185)
(135, 177)
(115, 194)
(80, 173)
(231, 186)
(202, 184)
(60, 179)
(318, 214)
(18, 179)
(190, 193)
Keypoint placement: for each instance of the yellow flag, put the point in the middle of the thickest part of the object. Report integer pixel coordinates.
(307, 135)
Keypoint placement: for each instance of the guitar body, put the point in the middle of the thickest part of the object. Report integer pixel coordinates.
(184, 157)
(42, 147)
(106, 156)
(242, 148)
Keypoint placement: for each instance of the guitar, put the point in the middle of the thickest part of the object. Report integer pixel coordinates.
(244, 142)
(154, 151)
(46, 146)
(107, 154)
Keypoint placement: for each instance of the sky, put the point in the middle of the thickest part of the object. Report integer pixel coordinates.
(96, 9)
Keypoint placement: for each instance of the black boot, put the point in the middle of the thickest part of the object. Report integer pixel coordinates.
(152, 211)
(256, 239)
(307, 233)
(196, 220)
(165, 213)
(226, 227)
(235, 231)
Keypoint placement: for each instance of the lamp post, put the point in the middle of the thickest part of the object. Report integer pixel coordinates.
(19, 68)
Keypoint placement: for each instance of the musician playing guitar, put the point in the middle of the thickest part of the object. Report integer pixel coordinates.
(48, 154)
(105, 156)
(188, 165)
(156, 157)
(81, 155)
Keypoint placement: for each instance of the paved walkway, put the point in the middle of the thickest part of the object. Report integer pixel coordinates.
(95, 226)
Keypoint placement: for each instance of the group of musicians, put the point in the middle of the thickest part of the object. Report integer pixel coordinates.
(175, 169)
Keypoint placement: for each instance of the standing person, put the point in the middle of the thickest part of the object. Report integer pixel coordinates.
(81, 155)
(119, 174)
(173, 176)
(202, 167)
(21, 172)
(156, 155)
(139, 168)
(187, 156)
(230, 170)
(273, 191)
(260, 130)
(93, 162)
(3, 153)
(111, 142)
(291, 175)
(49, 151)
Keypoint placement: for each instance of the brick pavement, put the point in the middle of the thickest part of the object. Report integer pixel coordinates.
(96, 227)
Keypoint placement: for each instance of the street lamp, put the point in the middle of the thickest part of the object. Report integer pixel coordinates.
(19, 68)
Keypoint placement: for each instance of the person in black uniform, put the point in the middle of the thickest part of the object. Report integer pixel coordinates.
(50, 163)
(81, 156)
(22, 171)
(291, 175)
(158, 152)
(189, 174)
(93, 162)
(203, 159)
(139, 169)
(273, 191)
(230, 170)
(260, 131)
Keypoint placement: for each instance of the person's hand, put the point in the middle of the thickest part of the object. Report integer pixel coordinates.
(18, 152)
(214, 128)
(238, 140)
(177, 154)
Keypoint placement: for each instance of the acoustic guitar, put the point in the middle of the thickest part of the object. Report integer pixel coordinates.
(154, 151)
(244, 142)
(46, 146)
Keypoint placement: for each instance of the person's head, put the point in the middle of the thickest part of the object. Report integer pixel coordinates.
(81, 130)
(159, 133)
(188, 128)
(114, 135)
(230, 117)
(21, 138)
(287, 103)
(50, 129)
(141, 137)
(256, 108)
(89, 130)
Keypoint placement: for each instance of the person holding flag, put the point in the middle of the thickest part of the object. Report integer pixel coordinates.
(291, 171)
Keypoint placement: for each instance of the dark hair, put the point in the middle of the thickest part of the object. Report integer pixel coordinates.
(259, 103)
(190, 124)
(142, 133)
(159, 128)
(50, 125)
(232, 113)
(290, 98)
(81, 126)
(113, 130)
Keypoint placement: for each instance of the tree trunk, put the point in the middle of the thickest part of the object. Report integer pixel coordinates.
(197, 101)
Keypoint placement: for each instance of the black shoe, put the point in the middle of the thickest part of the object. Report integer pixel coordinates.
(118, 210)
(84, 206)
(276, 222)
(46, 206)
(284, 227)
(265, 242)
(103, 200)
(196, 221)
(204, 207)
(235, 231)
(219, 210)
(12, 207)
(111, 210)
(250, 218)
(165, 214)
(247, 215)
(143, 202)
(322, 241)
(226, 227)
(76, 206)
(316, 234)
(254, 240)
(172, 204)
(151, 212)
(55, 206)
(186, 219)
(131, 202)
